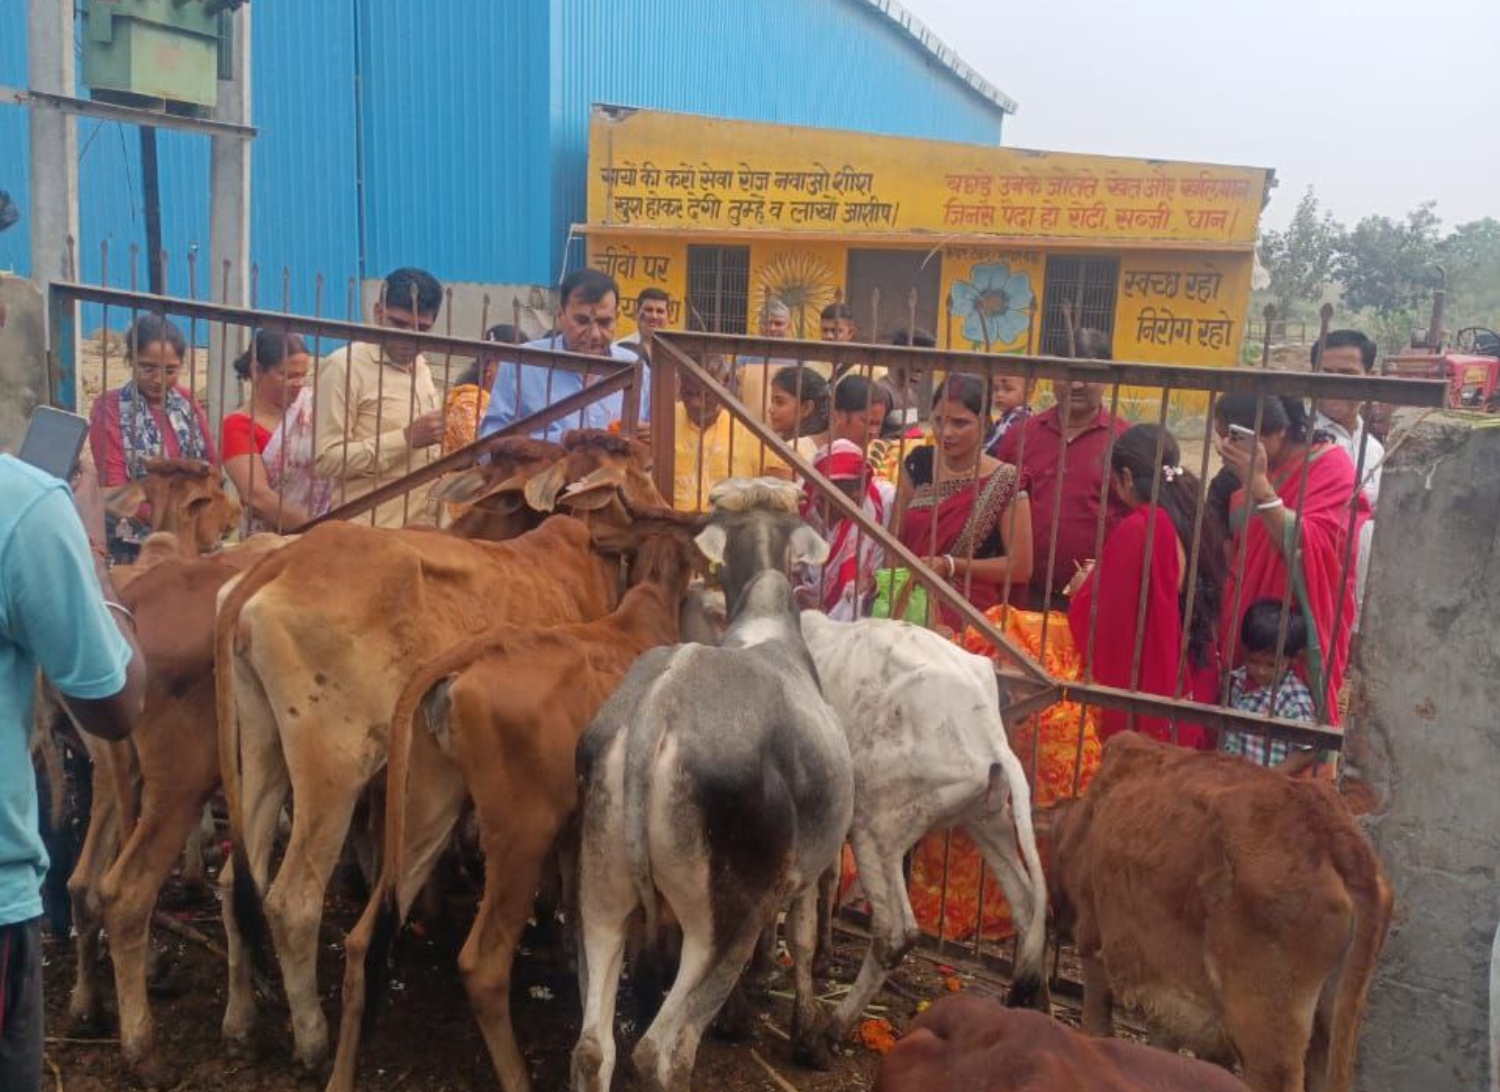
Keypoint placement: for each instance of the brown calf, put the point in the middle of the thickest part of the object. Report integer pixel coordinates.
(313, 649)
(185, 498)
(504, 712)
(1241, 910)
(975, 1044)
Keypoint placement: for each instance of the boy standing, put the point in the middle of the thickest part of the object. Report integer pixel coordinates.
(1254, 688)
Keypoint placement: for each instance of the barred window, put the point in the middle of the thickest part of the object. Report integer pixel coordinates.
(718, 289)
(1089, 284)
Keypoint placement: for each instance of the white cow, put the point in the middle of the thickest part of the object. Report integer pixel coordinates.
(719, 781)
(929, 751)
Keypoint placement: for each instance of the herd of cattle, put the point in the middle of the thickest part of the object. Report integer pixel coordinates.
(550, 662)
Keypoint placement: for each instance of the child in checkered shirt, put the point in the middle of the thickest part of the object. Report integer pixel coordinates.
(1253, 687)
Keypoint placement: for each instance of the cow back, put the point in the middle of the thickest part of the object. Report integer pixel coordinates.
(977, 1045)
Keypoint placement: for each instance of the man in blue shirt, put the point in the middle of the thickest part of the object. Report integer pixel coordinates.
(589, 303)
(58, 612)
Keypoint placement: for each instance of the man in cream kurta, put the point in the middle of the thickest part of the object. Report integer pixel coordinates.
(382, 398)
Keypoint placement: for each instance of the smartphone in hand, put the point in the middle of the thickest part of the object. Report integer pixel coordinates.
(53, 441)
(1240, 434)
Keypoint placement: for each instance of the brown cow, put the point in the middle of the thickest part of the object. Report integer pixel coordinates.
(171, 763)
(504, 712)
(978, 1045)
(185, 497)
(313, 649)
(1241, 910)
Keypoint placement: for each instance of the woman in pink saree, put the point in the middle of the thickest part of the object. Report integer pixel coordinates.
(268, 443)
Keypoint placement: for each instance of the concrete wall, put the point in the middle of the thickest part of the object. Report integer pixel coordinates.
(23, 358)
(1425, 730)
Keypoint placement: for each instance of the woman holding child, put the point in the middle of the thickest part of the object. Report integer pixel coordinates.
(1291, 521)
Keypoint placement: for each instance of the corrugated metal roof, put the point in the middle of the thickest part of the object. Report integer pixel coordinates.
(950, 60)
(474, 125)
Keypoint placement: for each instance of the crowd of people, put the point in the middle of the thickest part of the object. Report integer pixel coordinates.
(1063, 508)
(1244, 591)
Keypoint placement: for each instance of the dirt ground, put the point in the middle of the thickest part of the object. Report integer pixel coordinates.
(425, 1038)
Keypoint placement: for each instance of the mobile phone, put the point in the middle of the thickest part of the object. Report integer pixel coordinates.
(54, 438)
(1240, 432)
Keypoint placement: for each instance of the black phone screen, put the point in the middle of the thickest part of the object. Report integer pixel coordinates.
(53, 440)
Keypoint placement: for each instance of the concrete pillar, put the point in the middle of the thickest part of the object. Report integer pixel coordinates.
(229, 221)
(54, 144)
(1425, 731)
(23, 357)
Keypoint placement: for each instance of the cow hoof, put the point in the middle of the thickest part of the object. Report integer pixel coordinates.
(813, 1052)
(151, 1073)
(313, 1073)
(88, 1025)
(239, 1048)
(1029, 992)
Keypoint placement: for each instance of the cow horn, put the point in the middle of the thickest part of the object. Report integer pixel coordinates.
(542, 490)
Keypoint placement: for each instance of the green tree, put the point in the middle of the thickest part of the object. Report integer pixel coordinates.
(1301, 259)
(1389, 265)
(1471, 255)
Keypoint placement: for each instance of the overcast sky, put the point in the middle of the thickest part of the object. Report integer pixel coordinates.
(1378, 104)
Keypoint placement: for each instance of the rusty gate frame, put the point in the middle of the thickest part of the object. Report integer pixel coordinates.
(1026, 686)
(613, 375)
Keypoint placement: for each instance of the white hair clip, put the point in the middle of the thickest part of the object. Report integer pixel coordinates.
(1171, 473)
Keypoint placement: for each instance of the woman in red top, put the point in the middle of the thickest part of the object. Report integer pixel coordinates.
(268, 443)
(150, 417)
(1147, 554)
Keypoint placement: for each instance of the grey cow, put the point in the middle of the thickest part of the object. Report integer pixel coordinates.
(718, 780)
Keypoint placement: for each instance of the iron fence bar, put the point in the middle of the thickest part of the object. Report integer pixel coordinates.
(1397, 391)
(467, 456)
(1211, 716)
(1035, 702)
(853, 511)
(67, 292)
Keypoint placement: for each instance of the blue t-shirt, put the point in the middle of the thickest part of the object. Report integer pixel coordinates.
(538, 390)
(52, 616)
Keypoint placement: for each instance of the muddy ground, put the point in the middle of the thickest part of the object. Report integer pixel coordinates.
(426, 1039)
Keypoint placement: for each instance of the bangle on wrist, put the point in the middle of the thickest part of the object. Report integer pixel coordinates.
(952, 566)
(123, 611)
(1270, 505)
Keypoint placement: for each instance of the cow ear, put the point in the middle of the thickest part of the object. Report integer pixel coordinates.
(808, 547)
(712, 540)
(123, 500)
(464, 488)
(542, 490)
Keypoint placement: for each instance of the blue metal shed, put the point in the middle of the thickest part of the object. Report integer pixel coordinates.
(392, 136)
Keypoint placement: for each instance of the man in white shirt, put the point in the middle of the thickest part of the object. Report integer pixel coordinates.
(1349, 352)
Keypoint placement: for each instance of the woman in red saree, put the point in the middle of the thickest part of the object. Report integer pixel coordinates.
(1148, 554)
(962, 511)
(1291, 519)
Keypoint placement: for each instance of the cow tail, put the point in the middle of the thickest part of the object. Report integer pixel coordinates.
(1029, 987)
(393, 861)
(1356, 864)
(245, 904)
(642, 742)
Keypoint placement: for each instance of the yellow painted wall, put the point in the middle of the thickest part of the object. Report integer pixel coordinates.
(806, 276)
(648, 168)
(638, 262)
(996, 293)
